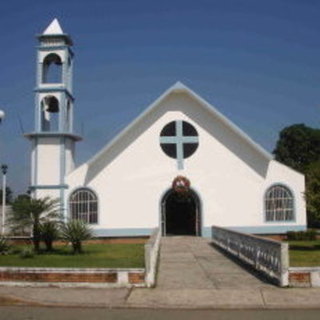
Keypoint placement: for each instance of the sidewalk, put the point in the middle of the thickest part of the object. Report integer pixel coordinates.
(274, 298)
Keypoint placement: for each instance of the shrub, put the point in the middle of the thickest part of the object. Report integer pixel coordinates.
(4, 245)
(49, 232)
(27, 253)
(308, 235)
(76, 231)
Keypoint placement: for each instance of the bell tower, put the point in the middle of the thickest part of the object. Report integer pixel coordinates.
(53, 140)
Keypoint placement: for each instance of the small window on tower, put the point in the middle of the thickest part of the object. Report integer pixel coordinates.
(52, 69)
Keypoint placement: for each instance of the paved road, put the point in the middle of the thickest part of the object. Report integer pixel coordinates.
(32, 313)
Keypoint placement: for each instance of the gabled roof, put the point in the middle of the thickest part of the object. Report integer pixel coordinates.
(53, 28)
(177, 88)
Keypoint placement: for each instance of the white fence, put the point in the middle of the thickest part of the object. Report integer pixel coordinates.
(151, 254)
(267, 256)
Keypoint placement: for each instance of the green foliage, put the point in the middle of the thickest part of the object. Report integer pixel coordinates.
(109, 255)
(313, 193)
(4, 245)
(49, 231)
(304, 253)
(22, 196)
(298, 146)
(9, 194)
(308, 235)
(27, 253)
(76, 231)
(31, 213)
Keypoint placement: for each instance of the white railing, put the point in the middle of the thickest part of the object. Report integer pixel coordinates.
(151, 254)
(267, 256)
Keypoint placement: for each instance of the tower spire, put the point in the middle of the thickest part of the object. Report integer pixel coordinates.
(53, 28)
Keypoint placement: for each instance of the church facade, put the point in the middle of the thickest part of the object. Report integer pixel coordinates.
(181, 165)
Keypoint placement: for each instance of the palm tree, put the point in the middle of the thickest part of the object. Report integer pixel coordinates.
(31, 213)
(50, 232)
(76, 231)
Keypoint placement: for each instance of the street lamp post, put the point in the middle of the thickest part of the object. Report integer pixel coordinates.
(2, 115)
(4, 169)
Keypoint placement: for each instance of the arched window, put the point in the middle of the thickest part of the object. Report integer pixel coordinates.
(50, 114)
(52, 69)
(279, 204)
(83, 205)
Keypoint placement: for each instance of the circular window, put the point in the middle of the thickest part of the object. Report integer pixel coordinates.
(179, 139)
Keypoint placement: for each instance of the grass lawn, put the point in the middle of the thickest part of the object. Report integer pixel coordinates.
(304, 253)
(94, 256)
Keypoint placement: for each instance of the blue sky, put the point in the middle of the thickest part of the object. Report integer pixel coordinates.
(257, 61)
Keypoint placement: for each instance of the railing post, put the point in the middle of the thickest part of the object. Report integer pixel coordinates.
(284, 277)
(151, 249)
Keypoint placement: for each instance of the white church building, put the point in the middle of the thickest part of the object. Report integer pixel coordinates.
(181, 165)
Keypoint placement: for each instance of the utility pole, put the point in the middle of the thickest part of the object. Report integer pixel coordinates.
(4, 169)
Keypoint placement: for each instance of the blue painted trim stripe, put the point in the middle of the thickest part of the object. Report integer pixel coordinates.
(55, 89)
(57, 186)
(205, 231)
(55, 134)
(127, 232)
(62, 174)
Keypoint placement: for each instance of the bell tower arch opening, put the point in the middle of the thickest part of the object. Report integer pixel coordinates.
(52, 69)
(50, 114)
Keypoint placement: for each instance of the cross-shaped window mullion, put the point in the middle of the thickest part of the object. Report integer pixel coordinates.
(179, 140)
(179, 134)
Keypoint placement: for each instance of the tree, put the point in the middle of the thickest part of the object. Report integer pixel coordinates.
(22, 196)
(31, 213)
(298, 146)
(76, 231)
(9, 194)
(313, 193)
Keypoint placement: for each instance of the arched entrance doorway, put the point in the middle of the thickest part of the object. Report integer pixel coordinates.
(180, 214)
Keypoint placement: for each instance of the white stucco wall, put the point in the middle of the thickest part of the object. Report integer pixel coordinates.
(69, 153)
(228, 174)
(48, 161)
